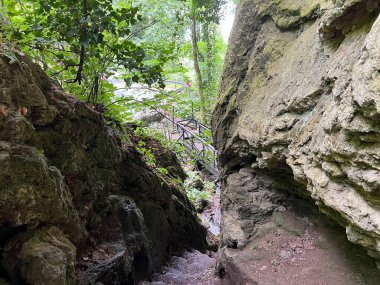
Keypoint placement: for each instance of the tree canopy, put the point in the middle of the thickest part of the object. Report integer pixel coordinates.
(81, 44)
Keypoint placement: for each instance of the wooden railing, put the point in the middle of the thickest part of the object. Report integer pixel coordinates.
(192, 133)
(190, 136)
(181, 84)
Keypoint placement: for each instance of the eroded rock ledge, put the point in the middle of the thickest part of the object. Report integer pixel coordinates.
(74, 200)
(298, 112)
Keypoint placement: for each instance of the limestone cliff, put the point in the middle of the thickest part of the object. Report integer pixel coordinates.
(76, 202)
(299, 112)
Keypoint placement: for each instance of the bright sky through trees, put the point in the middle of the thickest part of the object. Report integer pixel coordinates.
(227, 21)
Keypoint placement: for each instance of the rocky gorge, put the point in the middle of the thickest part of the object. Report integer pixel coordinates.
(297, 120)
(296, 126)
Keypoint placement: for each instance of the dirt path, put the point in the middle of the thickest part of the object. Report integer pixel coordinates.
(301, 250)
(192, 268)
(294, 250)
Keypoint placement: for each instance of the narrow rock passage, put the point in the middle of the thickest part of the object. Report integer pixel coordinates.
(196, 268)
(295, 250)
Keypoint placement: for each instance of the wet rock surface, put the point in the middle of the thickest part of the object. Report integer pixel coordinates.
(76, 201)
(297, 117)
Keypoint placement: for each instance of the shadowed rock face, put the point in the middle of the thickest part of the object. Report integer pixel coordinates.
(74, 200)
(298, 112)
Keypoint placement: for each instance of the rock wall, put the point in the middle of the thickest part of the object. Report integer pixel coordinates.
(75, 202)
(298, 112)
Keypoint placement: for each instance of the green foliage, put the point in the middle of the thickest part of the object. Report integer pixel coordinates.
(197, 189)
(207, 10)
(163, 171)
(214, 49)
(120, 130)
(209, 187)
(211, 50)
(81, 44)
(194, 180)
(84, 42)
(208, 156)
(146, 153)
(157, 134)
(197, 196)
(171, 27)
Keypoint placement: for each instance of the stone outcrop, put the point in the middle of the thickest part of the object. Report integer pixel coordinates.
(298, 114)
(77, 203)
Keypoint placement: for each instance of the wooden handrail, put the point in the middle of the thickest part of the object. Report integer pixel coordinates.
(190, 140)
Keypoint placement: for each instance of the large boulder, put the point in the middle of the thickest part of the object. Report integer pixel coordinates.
(43, 257)
(298, 112)
(76, 201)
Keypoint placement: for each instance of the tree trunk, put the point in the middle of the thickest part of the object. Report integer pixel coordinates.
(82, 48)
(197, 70)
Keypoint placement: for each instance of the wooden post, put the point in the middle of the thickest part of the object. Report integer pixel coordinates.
(173, 116)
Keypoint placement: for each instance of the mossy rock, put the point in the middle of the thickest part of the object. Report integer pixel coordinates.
(42, 257)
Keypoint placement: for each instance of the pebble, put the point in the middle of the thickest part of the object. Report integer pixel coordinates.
(286, 254)
(262, 268)
(281, 209)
